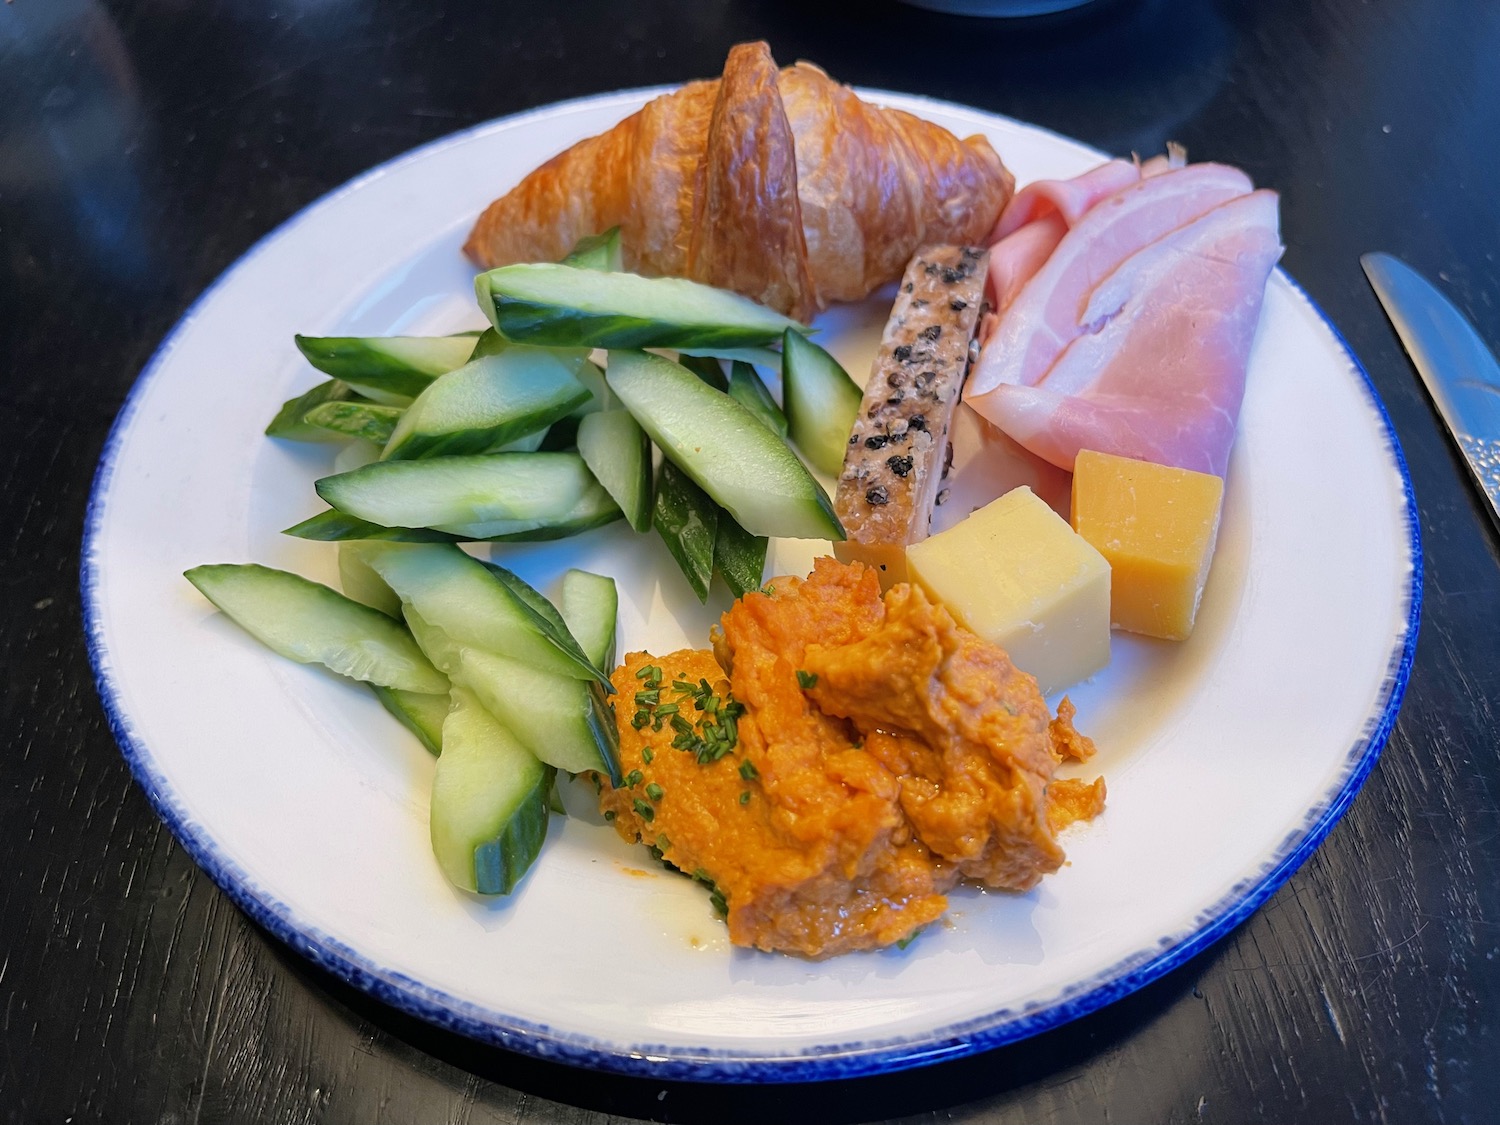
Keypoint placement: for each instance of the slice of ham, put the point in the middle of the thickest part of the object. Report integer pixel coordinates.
(1162, 373)
(1070, 200)
(1044, 317)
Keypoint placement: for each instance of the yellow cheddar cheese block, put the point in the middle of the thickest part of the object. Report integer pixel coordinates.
(1016, 574)
(1157, 526)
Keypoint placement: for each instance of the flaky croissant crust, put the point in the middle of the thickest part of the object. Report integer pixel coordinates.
(712, 180)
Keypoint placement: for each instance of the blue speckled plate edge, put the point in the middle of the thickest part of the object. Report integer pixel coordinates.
(827, 1062)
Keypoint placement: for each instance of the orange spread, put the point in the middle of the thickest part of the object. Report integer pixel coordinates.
(863, 755)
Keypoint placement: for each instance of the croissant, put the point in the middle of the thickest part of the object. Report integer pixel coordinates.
(781, 185)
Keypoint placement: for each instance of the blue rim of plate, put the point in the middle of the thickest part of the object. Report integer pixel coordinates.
(821, 1063)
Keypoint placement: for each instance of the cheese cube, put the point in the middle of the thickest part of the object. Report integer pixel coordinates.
(1157, 526)
(1016, 574)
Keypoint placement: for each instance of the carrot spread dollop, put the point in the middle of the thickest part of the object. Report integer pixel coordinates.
(839, 761)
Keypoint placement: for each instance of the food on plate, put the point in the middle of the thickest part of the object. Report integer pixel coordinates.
(1156, 526)
(898, 451)
(1016, 574)
(781, 185)
(822, 402)
(1132, 333)
(840, 761)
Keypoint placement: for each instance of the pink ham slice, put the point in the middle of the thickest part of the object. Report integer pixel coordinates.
(1044, 317)
(1070, 200)
(1162, 375)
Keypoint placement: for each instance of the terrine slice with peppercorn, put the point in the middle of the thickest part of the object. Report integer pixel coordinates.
(898, 450)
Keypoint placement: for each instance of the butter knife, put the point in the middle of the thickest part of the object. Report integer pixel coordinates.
(1460, 371)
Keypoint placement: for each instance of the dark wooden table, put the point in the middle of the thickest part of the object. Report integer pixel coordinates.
(144, 146)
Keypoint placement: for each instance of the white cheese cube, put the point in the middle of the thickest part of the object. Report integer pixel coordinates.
(1016, 574)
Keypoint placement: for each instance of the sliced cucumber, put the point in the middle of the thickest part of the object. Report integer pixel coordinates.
(462, 490)
(311, 624)
(707, 368)
(590, 604)
(372, 421)
(291, 420)
(568, 307)
(618, 453)
(747, 389)
(739, 557)
(730, 455)
(360, 582)
(489, 802)
(821, 402)
(486, 403)
(564, 722)
(590, 376)
(687, 521)
(490, 342)
(598, 252)
(547, 616)
(460, 596)
(334, 526)
(419, 712)
(386, 366)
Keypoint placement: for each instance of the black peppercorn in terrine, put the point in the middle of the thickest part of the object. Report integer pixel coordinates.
(898, 451)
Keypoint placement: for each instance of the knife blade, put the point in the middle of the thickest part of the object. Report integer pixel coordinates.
(1461, 372)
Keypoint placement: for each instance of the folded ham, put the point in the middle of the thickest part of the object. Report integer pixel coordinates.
(1126, 317)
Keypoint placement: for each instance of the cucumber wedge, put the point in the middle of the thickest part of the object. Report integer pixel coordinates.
(598, 252)
(590, 605)
(821, 402)
(462, 490)
(419, 712)
(487, 403)
(386, 366)
(311, 624)
(740, 463)
(489, 802)
(618, 453)
(361, 583)
(707, 368)
(739, 557)
(590, 376)
(333, 526)
(564, 306)
(291, 420)
(687, 521)
(564, 722)
(747, 389)
(460, 596)
(372, 421)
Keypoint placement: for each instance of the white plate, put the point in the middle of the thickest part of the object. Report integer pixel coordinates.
(1228, 757)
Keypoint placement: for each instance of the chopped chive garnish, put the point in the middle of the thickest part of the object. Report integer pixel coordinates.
(720, 903)
(681, 725)
(598, 785)
(609, 814)
(649, 672)
(682, 687)
(640, 719)
(647, 698)
(703, 876)
(663, 843)
(745, 797)
(748, 770)
(667, 709)
(654, 791)
(806, 680)
(633, 778)
(643, 810)
(770, 589)
(647, 754)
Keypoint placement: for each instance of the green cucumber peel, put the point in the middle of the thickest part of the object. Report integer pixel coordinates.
(372, 421)
(291, 422)
(746, 388)
(687, 521)
(598, 252)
